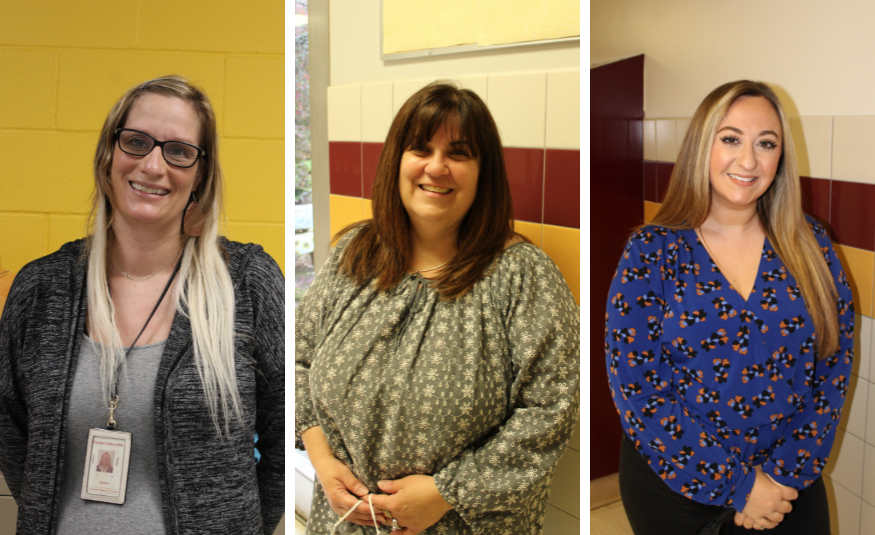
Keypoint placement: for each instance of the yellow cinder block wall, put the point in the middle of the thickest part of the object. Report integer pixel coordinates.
(62, 67)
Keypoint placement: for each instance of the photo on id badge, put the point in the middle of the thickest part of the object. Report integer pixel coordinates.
(106, 466)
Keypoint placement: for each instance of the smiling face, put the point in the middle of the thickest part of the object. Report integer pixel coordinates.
(745, 154)
(438, 181)
(146, 190)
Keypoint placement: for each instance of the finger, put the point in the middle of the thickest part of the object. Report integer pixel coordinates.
(748, 522)
(775, 517)
(739, 518)
(785, 506)
(766, 523)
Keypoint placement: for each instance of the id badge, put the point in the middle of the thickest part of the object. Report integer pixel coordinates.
(106, 466)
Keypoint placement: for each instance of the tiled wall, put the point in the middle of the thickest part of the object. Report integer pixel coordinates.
(538, 116)
(63, 66)
(838, 185)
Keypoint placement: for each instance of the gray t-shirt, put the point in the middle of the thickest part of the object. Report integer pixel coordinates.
(142, 511)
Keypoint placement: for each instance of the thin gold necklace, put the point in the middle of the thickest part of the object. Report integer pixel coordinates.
(149, 276)
(429, 269)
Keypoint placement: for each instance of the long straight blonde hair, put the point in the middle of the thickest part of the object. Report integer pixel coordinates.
(688, 202)
(203, 290)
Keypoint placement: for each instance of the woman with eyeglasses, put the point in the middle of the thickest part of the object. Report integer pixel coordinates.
(154, 338)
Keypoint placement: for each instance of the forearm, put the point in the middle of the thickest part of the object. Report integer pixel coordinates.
(317, 444)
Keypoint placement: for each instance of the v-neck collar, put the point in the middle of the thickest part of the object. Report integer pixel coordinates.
(734, 292)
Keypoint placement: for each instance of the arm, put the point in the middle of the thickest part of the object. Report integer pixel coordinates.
(509, 472)
(800, 457)
(267, 284)
(676, 446)
(13, 410)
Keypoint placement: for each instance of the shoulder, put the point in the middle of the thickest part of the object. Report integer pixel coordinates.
(250, 262)
(523, 259)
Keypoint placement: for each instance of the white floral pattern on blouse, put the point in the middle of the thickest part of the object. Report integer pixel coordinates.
(481, 392)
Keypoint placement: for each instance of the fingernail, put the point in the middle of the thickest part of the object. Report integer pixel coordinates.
(383, 485)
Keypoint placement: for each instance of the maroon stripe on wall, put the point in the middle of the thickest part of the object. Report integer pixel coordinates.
(525, 173)
(815, 198)
(370, 159)
(851, 215)
(562, 188)
(345, 167)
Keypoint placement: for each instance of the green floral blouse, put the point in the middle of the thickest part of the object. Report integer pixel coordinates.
(481, 392)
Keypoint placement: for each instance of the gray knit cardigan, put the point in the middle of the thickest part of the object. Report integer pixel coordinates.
(208, 484)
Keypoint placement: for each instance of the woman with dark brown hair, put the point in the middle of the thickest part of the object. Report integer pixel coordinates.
(437, 350)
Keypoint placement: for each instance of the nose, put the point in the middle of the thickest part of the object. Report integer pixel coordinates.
(437, 164)
(154, 163)
(747, 159)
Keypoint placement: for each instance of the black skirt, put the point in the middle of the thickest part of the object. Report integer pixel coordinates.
(654, 509)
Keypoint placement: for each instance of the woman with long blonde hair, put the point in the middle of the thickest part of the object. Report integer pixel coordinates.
(155, 336)
(729, 335)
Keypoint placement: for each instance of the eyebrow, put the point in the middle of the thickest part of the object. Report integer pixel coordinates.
(738, 131)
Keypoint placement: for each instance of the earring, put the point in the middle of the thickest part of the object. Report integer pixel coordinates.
(192, 220)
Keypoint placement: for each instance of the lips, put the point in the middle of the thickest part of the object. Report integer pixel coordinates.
(145, 189)
(434, 189)
(746, 179)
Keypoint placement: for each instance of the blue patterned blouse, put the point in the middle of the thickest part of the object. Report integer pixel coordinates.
(709, 385)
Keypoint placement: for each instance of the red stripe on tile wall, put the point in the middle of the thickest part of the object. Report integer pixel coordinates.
(525, 173)
(562, 188)
(345, 168)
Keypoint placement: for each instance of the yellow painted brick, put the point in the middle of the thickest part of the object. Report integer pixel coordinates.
(530, 230)
(859, 265)
(46, 171)
(271, 236)
(344, 210)
(28, 88)
(96, 23)
(66, 227)
(650, 209)
(216, 25)
(562, 244)
(255, 179)
(255, 97)
(23, 238)
(91, 81)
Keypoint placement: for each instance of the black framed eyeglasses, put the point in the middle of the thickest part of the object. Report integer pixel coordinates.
(178, 153)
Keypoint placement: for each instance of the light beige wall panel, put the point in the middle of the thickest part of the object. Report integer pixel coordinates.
(867, 520)
(686, 59)
(255, 97)
(854, 412)
(91, 81)
(682, 126)
(8, 515)
(812, 137)
(666, 140)
(565, 491)
(574, 442)
(862, 345)
(404, 89)
(345, 113)
(376, 111)
(518, 104)
(851, 149)
(4, 489)
(845, 461)
(649, 139)
(563, 109)
(476, 83)
(844, 509)
(559, 522)
(355, 30)
(28, 91)
(869, 474)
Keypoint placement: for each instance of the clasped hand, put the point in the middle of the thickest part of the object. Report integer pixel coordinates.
(768, 503)
(413, 501)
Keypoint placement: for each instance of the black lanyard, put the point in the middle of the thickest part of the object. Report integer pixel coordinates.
(113, 395)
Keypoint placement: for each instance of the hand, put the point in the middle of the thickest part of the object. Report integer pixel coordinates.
(414, 501)
(768, 503)
(343, 490)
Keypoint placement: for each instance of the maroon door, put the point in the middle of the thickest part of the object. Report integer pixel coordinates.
(616, 207)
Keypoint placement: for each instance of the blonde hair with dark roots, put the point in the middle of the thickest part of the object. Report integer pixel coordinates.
(688, 202)
(203, 290)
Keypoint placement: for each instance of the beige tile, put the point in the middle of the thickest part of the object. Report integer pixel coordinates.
(608, 520)
(812, 137)
(404, 89)
(859, 265)
(574, 442)
(565, 491)
(345, 113)
(281, 527)
(851, 149)
(869, 474)
(650, 140)
(650, 209)
(844, 509)
(682, 126)
(376, 111)
(8, 515)
(845, 461)
(4, 490)
(476, 83)
(518, 104)
(558, 521)
(870, 415)
(563, 109)
(862, 345)
(300, 527)
(666, 140)
(867, 520)
(854, 412)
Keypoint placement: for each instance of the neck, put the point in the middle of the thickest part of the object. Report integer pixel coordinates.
(432, 248)
(140, 252)
(723, 218)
